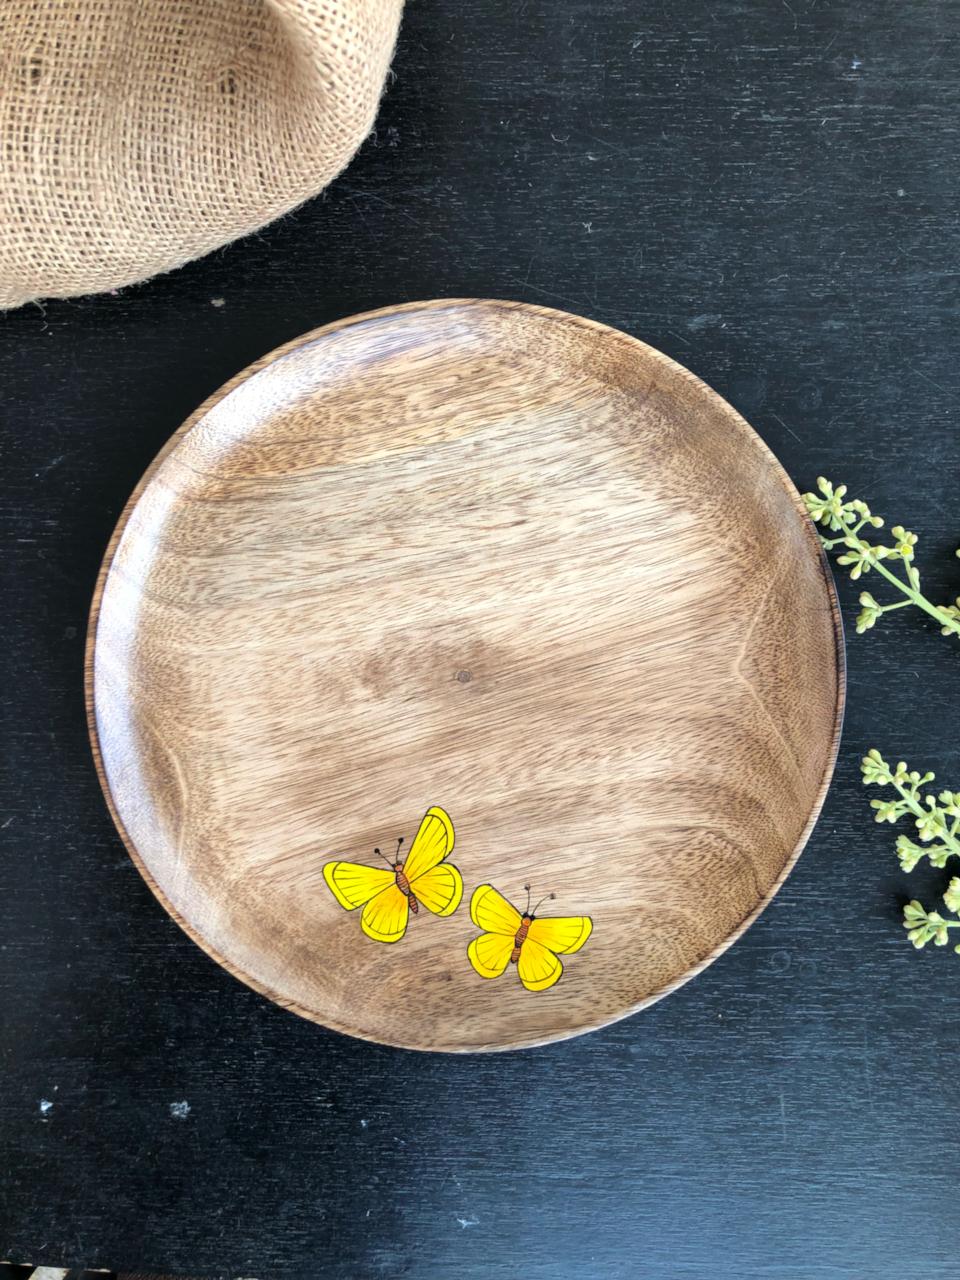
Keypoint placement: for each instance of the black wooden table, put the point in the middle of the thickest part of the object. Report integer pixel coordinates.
(768, 191)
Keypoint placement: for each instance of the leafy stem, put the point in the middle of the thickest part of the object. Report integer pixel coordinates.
(937, 819)
(847, 519)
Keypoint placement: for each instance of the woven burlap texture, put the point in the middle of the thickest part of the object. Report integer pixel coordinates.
(138, 134)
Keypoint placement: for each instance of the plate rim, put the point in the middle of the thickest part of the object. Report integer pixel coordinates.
(736, 421)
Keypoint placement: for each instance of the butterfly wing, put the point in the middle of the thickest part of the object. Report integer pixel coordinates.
(563, 934)
(353, 884)
(439, 889)
(489, 910)
(385, 916)
(538, 967)
(490, 954)
(430, 845)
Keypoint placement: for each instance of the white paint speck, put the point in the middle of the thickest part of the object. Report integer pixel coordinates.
(856, 64)
(180, 1110)
(468, 1222)
(46, 1106)
(218, 302)
(900, 192)
(364, 1124)
(565, 138)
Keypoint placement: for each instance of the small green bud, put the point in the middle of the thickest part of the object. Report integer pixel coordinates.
(938, 855)
(908, 853)
(923, 926)
(874, 768)
(905, 541)
(930, 824)
(886, 810)
(866, 618)
(952, 896)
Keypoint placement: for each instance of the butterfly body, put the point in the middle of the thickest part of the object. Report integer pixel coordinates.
(520, 938)
(403, 884)
(530, 942)
(389, 895)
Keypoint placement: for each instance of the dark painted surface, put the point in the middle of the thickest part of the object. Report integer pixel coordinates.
(768, 192)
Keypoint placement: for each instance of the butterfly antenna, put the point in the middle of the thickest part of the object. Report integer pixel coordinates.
(526, 911)
(383, 856)
(549, 896)
(399, 843)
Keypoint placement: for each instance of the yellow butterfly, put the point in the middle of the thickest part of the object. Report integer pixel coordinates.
(525, 940)
(388, 897)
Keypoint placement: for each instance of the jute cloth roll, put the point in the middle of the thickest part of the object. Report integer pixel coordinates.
(138, 134)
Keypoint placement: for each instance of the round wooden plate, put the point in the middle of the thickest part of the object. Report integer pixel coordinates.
(488, 558)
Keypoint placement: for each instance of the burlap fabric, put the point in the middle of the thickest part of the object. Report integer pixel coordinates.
(137, 134)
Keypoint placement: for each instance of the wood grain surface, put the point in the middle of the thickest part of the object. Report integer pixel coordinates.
(486, 556)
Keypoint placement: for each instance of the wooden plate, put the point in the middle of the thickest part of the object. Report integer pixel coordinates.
(493, 559)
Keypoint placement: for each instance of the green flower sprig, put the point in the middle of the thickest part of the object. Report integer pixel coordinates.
(937, 819)
(847, 519)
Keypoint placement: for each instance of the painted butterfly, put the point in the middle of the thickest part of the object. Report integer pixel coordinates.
(529, 941)
(390, 895)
